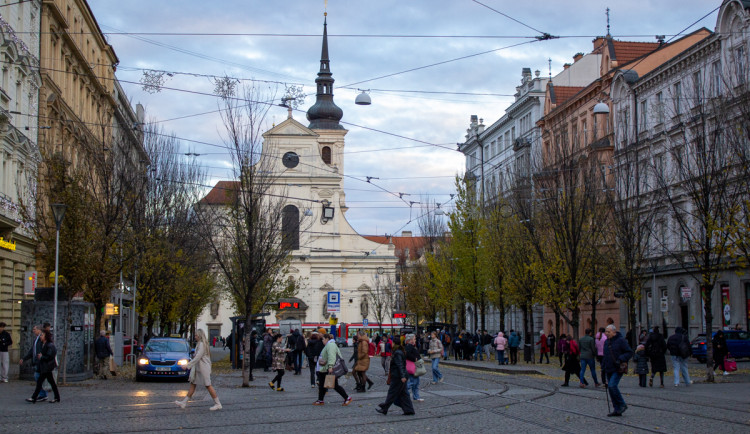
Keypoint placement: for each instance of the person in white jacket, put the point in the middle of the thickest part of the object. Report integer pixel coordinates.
(500, 344)
(201, 371)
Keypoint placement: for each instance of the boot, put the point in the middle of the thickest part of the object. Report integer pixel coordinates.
(217, 405)
(183, 403)
(369, 384)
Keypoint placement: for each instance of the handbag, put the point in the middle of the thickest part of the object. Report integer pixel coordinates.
(729, 364)
(420, 369)
(411, 368)
(339, 368)
(112, 366)
(330, 381)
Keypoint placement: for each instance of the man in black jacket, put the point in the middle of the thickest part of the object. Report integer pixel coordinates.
(5, 342)
(679, 347)
(102, 351)
(616, 352)
(36, 348)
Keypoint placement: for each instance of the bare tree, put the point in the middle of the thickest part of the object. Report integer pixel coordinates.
(382, 297)
(246, 235)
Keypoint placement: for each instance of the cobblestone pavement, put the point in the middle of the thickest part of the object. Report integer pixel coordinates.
(469, 400)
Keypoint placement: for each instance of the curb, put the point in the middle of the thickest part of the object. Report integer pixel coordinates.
(521, 371)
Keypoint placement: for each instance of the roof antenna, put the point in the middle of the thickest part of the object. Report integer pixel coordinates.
(608, 35)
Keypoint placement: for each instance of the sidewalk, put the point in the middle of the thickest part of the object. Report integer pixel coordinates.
(554, 370)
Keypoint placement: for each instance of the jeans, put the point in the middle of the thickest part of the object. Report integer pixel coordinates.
(4, 363)
(488, 350)
(412, 385)
(478, 353)
(618, 402)
(592, 365)
(679, 365)
(436, 374)
(311, 364)
(42, 392)
(386, 361)
(297, 361)
(500, 357)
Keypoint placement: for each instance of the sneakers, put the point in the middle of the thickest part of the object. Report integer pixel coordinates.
(582, 386)
(272, 386)
(725, 373)
(216, 406)
(615, 414)
(279, 389)
(440, 380)
(433, 382)
(419, 400)
(312, 386)
(319, 403)
(347, 402)
(381, 411)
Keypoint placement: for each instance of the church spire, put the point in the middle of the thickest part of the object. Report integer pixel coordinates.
(325, 114)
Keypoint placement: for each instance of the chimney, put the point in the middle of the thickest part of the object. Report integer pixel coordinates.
(577, 57)
(405, 233)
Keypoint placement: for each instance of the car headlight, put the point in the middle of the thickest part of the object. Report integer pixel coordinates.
(143, 361)
(182, 362)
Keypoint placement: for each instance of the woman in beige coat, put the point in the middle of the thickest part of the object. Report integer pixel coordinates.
(363, 362)
(201, 371)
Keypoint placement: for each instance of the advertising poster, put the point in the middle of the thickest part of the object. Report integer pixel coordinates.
(725, 308)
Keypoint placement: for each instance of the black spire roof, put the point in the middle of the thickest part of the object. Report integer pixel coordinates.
(325, 114)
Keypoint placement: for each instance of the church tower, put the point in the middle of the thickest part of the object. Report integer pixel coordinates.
(325, 114)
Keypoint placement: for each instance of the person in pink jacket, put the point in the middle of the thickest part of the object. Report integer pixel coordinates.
(500, 344)
(600, 339)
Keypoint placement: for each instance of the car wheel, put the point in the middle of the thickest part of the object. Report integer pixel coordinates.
(138, 378)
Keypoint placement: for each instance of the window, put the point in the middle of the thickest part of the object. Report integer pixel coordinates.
(740, 64)
(697, 87)
(584, 132)
(659, 108)
(716, 78)
(290, 228)
(677, 95)
(326, 154)
(643, 116)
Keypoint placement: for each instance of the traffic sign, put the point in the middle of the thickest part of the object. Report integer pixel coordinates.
(365, 322)
(334, 302)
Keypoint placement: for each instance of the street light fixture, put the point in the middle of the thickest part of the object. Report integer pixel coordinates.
(58, 211)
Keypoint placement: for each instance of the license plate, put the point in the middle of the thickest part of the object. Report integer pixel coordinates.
(163, 368)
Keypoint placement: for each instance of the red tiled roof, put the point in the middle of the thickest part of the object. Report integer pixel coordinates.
(625, 51)
(414, 244)
(564, 93)
(220, 194)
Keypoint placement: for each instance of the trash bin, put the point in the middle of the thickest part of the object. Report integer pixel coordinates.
(527, 353)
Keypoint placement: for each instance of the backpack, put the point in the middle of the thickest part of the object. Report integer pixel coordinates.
(685, 350)
(447, 338)
(371, 349)
(574, 350)
(300, 343)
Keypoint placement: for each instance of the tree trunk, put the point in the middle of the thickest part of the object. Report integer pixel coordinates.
(476, 317)
(482, 310)
(631, 321)
(246, 353)
(593, 315)
(574, 322)
(557, 325)
(706, 294)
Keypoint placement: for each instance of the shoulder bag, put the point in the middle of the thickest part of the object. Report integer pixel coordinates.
(419, 368)
(621, 367)
(411, 368)
(339, 368)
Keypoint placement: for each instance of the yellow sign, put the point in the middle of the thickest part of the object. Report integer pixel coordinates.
(10, 245)
(109, 309)
(117, 310)
(333, 320)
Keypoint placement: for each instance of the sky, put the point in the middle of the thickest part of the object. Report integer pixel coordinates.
(428, 65)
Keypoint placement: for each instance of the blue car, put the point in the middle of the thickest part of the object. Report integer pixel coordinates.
(164, 358)
(738, 344)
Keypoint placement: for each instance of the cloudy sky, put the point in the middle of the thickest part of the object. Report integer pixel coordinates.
(429, 65)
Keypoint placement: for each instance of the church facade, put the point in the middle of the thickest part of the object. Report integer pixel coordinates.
(328, 257)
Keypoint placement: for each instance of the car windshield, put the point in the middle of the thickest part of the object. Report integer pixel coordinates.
(167, 347)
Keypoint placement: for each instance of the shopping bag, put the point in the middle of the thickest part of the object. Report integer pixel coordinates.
(112, 366)
(339, 368)
(330, 381)
(729, 364)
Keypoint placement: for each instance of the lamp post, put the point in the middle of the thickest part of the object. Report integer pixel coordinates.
(58, 210)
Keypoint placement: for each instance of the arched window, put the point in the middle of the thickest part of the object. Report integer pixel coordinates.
(326, 154)
(290, 228)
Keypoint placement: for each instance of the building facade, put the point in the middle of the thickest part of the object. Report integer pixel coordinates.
(661, 117)
(19, 155)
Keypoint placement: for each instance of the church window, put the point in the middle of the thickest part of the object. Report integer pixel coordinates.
(290, 228)
(326, 154)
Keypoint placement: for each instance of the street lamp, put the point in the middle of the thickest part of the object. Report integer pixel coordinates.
(58, 210)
